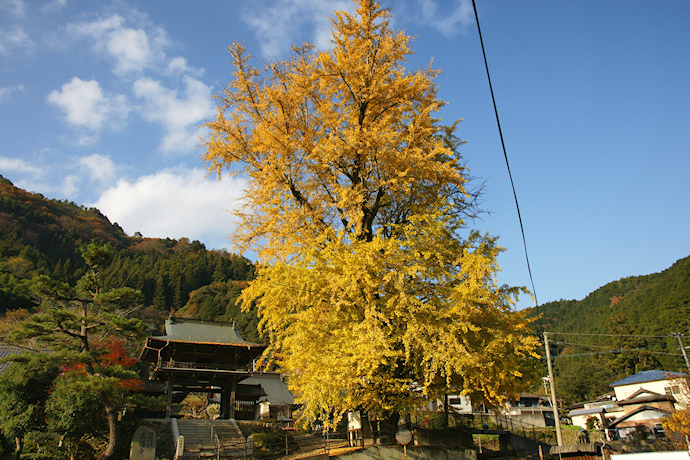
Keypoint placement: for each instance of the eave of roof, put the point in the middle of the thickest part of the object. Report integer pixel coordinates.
(643, 395)
(593, 410)
(169, 339)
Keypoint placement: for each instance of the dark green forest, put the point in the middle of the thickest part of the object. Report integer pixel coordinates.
(40, 236)
(620, 329)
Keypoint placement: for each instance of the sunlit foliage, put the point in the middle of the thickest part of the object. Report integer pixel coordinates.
(356, 205)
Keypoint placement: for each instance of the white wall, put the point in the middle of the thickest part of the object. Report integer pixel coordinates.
(680, 455)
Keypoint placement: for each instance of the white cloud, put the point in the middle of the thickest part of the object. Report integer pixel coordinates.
(179, 65)
(76, 177)
(175, 204)
(98, 168)
(179, 115)
(278, 23)
(447, 19)
(87, 107)
(15, 40)
(17, 165)
(133, 49)
(130, 48)
(54, 6)
(15, 7)
(7, 91)
(95, 170)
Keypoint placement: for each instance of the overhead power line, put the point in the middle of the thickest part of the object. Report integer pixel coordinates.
(505, 154)
(616, 351)
(584, 334)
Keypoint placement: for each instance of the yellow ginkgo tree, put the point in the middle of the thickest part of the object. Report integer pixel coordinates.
(373, 291)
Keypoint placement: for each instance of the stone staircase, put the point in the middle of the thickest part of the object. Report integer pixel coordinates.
(200, 438)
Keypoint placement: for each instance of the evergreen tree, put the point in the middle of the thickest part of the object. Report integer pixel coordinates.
(24, 388)
(80, 323)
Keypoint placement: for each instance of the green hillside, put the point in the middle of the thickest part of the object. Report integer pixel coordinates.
(618, 330)
(39, 236)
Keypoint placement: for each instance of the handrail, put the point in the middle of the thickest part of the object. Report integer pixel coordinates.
(173, 364)
(214, 434)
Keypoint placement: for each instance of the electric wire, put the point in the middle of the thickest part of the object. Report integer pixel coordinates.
(505, 154)
(584, 334)
(616, 351)
(608, 349)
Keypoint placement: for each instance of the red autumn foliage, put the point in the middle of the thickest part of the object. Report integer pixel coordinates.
(117, 353)
(113, 353)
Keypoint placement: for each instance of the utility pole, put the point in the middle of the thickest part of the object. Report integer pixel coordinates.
(554, 401)
(682, 348)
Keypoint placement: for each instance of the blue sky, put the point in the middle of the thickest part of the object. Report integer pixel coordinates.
(101, 104)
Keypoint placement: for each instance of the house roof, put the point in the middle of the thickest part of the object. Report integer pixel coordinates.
(197, 331)
(603, 399)
(274, 387)
(592, 410)
(642, 396)
(532, 396)
(647, 376)
(634, 412)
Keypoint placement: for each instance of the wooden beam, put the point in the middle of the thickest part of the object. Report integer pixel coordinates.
(168, 396)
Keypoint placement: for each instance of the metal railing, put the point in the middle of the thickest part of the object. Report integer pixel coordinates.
(173, 364)
(482, 421)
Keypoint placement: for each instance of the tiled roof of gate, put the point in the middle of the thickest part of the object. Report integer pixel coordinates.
(196, 331)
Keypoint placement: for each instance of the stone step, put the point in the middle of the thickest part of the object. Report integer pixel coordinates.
(198, 435)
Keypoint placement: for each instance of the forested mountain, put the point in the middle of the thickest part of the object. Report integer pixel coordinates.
(622, 328)
(39, 236)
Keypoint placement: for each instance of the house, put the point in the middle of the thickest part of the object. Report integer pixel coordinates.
(647, 418)
(531, 409)
(642, 410)
(639, 401)
(646, 398)
(656, 381)
(457, 403)
(643, 397)
(580, 417)
(274, 399)
(603, 410)
(460, 404)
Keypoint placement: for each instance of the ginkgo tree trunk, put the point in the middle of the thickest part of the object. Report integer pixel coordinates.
(372, 289)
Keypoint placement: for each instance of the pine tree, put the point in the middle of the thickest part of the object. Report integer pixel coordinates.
(79, 323)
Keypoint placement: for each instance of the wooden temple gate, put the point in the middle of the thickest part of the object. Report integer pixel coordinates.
(201, 357)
